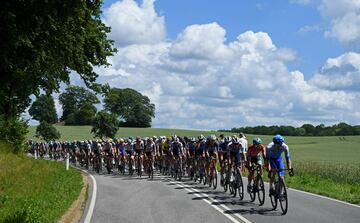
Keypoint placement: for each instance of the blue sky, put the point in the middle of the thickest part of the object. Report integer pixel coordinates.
(223, 64)
(281, 19)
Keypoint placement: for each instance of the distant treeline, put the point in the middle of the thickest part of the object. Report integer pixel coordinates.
(340, 129)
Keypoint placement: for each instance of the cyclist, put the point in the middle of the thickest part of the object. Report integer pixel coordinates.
(139, 148)
(244, 145)
(256, 150)
(211, 149)
(199, 153)
(274, 159)
(129, 147)
(150, 151)
(177, 151)
(237, 152)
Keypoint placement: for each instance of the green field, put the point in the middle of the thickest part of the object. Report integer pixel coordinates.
(35, 190)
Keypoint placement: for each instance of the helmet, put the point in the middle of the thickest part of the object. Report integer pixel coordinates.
(212, 137)
(201, 137)
(236, 140)
(257, 141)
(138, 138)
(278, 139)
(121, 140)
(242, 135)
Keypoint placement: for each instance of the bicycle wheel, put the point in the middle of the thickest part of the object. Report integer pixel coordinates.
(261, 190)
(225, 186)
(283, 200)
(214, 179)
(252, 193)
(240, 187)
(273, 198)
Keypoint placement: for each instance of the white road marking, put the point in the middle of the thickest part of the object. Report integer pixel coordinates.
(328, 198)
(93, 199)
(200, 194)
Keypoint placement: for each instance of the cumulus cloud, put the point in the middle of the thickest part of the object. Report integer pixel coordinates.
(201, 81)
(340, 73)
(135, 24)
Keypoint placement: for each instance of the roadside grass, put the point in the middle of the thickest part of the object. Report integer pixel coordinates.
(35, 190)
(339, 181)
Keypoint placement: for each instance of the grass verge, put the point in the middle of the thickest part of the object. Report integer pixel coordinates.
(339, 181)
(35, 191)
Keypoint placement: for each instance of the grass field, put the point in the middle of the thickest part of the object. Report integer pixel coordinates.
(35, 190)
(328, 166)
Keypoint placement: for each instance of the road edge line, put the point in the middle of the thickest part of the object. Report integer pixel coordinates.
(324, 197)
(93, 198)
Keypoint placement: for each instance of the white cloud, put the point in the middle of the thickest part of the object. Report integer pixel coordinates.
(135, 24)
(199, 81)
(344, 18)
(341, 73)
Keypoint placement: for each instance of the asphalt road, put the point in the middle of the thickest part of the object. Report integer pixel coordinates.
(132, 199)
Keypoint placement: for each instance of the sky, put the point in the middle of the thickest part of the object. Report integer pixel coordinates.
(221, 64)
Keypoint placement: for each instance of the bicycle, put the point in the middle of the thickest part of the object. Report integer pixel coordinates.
(139, 171)
(212, 173)
(237, 184)
(178, 168)
(257, 185)
(150, 165)
(280, 192)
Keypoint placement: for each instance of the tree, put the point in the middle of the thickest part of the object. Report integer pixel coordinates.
(309, 128)
(78, 105)
(43, 109)
(42, 42)
(132, 108)
(105, 125)
(13, 130)
(47, 132)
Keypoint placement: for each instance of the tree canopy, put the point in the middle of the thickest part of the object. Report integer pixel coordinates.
(78, 105)
(43, 109)
(132, 108)
(105, 125)
(340, 129)
(42, 41)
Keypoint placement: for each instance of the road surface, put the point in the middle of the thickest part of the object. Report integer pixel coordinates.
(132, 199)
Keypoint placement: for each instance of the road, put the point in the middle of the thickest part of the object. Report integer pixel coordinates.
(132, 199)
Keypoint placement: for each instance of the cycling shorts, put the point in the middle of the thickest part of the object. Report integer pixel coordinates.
(278, 164)
(255, 159)
(237, 157)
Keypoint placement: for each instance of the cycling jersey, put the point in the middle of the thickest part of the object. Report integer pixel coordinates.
(211, 148)
(177, 148)
(200, 148)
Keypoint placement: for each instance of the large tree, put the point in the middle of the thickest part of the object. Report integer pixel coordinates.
(42, 41)
(43, 109)
(132, 108)
(105, 125)
(78, 105)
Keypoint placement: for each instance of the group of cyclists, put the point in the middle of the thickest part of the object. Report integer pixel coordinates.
(199, 158)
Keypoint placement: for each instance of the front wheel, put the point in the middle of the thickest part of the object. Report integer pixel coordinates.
(214, 179)
(283, 200)
(261, 190)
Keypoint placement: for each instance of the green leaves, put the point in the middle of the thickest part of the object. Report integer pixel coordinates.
(43, 42)
(78, 106)
(105, 125)
(43, 109)
(131, 107)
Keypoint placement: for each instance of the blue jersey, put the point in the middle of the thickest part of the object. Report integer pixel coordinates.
(274, 151)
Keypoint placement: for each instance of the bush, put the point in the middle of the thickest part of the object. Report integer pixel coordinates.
(14, 131)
